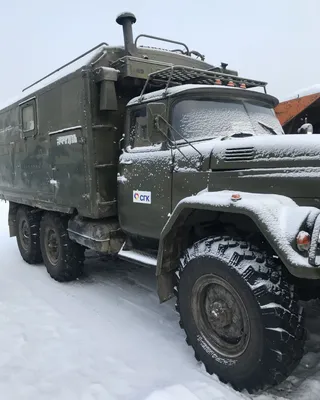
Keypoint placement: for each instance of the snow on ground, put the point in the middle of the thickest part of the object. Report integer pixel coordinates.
(107, 337)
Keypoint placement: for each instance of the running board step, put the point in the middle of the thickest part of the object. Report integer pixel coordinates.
(138, 257)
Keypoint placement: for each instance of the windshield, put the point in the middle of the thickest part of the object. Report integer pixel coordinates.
(206, 119)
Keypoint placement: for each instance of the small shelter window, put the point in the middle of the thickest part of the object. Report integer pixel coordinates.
(28, 118)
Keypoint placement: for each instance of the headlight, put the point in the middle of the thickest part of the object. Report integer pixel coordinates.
(303, 241)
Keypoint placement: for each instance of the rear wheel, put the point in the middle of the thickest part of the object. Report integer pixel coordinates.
(62, 257)
(28, 234)
(240, 315)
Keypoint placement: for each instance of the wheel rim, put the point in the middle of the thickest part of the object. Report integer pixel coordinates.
(52, 246)
(24, 231)
(220, 316)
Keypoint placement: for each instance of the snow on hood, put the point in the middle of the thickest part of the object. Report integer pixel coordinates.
(275, 147)
(268, 149)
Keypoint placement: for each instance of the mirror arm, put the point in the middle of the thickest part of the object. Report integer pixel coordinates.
(175, 145)
(183, 138)
(168, 138)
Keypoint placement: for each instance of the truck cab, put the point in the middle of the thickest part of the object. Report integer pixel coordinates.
(170, 137)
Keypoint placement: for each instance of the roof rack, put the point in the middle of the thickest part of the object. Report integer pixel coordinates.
(182, 75)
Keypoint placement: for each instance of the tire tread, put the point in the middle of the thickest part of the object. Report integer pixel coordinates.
(282, 316)
(73, 254)
(34, 219)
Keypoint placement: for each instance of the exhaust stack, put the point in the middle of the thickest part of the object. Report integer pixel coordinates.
(127, 19)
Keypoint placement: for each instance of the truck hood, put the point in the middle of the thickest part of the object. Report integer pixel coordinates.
(268, 151)
(254, 152)
(286, 164)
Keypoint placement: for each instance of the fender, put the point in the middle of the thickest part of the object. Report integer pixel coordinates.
(277, 217)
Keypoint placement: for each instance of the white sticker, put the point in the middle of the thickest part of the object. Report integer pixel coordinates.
(68, 139)
(141, 197)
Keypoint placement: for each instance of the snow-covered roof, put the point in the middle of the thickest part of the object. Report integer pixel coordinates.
(83, 61)
(303, 92)
(172, 91)
(159, 94)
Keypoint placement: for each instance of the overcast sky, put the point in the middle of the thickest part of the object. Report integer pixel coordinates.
(275, 40)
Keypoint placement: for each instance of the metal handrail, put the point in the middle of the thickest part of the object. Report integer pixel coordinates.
(66, 65)
(164, 40)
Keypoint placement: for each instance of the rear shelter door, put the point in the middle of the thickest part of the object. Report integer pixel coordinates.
(68, 180)
(62, 118)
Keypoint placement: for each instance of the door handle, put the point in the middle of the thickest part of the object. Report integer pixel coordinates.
(126, 162)
(121, 141)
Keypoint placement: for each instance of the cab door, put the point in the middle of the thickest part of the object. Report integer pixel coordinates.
(144, 179)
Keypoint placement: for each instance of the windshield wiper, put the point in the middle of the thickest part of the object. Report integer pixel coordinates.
(238, 134)
(268, 128)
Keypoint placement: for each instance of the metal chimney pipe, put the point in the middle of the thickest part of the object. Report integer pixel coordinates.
(127, 19)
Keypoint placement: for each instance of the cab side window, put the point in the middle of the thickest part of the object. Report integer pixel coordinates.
(28, 118)
(139, 128)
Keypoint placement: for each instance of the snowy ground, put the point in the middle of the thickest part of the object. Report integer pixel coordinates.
(107, 337)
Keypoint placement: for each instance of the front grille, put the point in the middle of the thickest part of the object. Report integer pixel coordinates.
(239, 154)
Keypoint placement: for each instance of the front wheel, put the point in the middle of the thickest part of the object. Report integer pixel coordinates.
(62, 257)
(240, 315)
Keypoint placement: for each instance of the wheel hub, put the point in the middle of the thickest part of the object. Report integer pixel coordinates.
(52, 246)
(220, 315)
(25, 234)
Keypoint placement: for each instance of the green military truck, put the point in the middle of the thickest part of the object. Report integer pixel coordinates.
(171, 162)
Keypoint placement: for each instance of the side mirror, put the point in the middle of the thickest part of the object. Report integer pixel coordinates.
(156, 125)
(306, 129)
